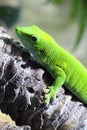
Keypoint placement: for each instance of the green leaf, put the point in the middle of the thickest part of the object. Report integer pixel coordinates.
(83, 23)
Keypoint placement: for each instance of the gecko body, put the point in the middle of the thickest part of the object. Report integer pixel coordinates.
(64, 67)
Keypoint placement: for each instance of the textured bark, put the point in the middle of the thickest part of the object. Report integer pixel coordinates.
(6, 126)
(22, 81)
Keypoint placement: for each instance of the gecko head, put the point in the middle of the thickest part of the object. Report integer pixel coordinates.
(34, 39)
(28, 35)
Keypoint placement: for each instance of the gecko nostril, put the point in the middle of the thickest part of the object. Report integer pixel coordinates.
(17, 29)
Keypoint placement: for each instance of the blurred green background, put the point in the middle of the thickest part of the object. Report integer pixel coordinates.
(65, 20)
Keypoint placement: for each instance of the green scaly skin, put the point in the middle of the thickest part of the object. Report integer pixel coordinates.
(64, 67)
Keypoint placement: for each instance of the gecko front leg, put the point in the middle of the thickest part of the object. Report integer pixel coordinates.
(51, 91)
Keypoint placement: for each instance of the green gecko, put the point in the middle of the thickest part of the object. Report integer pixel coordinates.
(64, 67)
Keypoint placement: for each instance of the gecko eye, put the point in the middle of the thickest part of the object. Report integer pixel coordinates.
(34, 39)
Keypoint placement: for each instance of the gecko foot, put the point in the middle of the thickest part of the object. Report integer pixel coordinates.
(50, 94)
